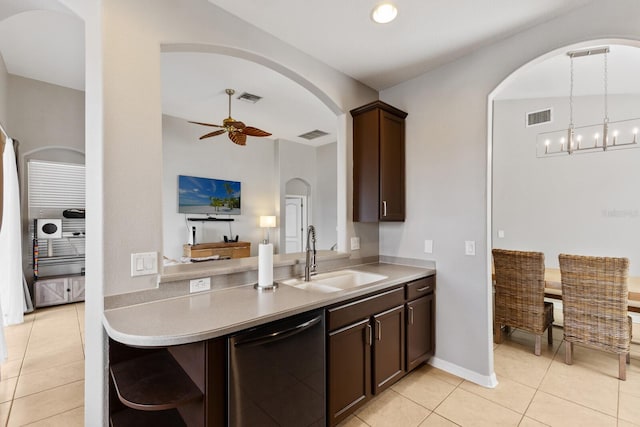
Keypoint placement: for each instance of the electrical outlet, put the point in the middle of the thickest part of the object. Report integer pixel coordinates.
(470, 247)
(428, 246)
(355, 243)
(199, 285)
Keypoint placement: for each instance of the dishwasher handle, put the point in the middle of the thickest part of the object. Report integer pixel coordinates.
(277, 335)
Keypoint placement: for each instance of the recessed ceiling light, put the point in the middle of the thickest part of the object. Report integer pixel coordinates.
(384, 13)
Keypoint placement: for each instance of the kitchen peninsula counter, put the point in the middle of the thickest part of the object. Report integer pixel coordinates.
(210, 314)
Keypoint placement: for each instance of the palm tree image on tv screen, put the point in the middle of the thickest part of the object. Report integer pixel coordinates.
(198, 195)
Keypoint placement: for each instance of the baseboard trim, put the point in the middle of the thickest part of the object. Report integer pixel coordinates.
(489, 381)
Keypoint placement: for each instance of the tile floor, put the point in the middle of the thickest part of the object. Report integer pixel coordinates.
(532, 391)
(43, 378)
(43, 384)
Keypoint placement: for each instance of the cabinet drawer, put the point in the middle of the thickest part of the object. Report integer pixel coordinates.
(421, 287)
(361, 309)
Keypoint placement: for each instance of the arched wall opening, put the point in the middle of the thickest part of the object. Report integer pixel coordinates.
(583, 217)
(285, 164)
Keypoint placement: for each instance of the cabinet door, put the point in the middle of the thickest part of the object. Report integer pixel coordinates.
(51, 291)
(366, 171)
(388, 348)
(392, 197)
(76, 288)
(349, 370)
(420, 331)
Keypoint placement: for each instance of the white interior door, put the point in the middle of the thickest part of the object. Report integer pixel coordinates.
(295, 223)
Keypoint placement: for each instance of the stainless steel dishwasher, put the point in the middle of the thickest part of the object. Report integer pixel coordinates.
(277, 373)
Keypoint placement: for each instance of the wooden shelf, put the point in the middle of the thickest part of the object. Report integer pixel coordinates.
(223, 249)
(132, 418)
(153, 382)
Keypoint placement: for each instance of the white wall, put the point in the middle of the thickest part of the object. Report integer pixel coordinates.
(325, 209)
(447, 172)
(252, 165)
(565, 204)
(4, 93)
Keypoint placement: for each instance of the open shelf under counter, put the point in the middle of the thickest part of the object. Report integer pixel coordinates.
(153, 382)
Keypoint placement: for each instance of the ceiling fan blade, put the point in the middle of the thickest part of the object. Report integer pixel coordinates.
(214, 133)
(206, 124)
(238, 138)
(251, 131)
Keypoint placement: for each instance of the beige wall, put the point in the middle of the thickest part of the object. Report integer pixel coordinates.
(44, 115)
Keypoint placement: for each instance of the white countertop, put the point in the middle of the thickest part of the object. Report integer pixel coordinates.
(212, 314)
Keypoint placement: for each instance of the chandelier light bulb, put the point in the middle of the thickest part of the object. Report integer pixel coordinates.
(384, 13)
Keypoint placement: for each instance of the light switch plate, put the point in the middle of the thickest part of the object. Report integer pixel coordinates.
(501, 234)
(355, 243)
(470, 247)
(144, 263)
(199, 285)
(428, 246)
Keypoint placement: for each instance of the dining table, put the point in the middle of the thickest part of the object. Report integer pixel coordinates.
(553, 288)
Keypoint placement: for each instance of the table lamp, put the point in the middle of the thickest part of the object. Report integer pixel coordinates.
(267, 221)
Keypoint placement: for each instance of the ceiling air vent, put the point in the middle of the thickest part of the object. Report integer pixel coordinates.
(539, 117)
(249, 97)
(313, 134)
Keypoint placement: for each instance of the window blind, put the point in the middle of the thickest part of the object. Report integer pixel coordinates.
(52, 188)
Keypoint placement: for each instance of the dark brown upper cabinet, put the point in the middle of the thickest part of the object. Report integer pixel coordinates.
(378, 163)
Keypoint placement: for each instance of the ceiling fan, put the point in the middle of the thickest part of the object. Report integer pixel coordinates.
(237, 130)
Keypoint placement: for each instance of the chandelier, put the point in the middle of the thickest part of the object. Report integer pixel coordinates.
(603, 136)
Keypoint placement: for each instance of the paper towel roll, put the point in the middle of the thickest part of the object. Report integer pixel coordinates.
(265, 265)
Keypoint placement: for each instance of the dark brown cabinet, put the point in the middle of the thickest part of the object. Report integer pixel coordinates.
(378, 163)
(420, 321)
(349, 369)
(365, 350)
(374, 341)
(388, 348)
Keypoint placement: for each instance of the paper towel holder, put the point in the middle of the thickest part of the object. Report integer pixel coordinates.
(270, 288)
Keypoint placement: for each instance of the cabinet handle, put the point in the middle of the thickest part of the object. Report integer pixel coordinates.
(411, 315)
(369, 336)
(378, 330)
(384, 208)
(422, 289)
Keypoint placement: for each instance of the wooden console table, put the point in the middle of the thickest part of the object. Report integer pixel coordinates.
(223, 249)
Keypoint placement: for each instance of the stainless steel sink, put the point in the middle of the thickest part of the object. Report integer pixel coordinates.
(335, 281)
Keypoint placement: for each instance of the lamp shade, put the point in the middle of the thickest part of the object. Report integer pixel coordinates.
(267, 221)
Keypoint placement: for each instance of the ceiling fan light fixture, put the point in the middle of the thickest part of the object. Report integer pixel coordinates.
(384, 13)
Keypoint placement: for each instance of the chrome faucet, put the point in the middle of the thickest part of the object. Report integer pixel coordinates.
(310, 265)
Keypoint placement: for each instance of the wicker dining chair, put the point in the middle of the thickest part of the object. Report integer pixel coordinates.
(594, 301)
(519, 295)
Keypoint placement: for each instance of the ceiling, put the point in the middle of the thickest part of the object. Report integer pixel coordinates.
(42, 40)
(193, 88)
(426, 33)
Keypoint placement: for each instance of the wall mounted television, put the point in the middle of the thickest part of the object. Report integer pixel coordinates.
(198, 195)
